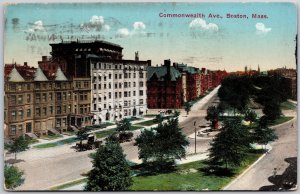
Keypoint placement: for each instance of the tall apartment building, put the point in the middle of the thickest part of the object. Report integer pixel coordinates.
(118, 88)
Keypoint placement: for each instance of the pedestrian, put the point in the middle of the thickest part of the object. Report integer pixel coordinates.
(274, 172)
(292, 125)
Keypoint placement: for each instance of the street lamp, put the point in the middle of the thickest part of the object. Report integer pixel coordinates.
(195, 137)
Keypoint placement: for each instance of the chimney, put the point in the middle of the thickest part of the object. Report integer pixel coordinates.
(167, 63)
(25, 64)
(136, 55)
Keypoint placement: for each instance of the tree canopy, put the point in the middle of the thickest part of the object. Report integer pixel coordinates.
(187, 107)
(110, 171)
(124, 125)
(230, 145)
(17, 145)
(13, 177)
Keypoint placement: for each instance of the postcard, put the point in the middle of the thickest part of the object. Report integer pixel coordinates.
(150, 96)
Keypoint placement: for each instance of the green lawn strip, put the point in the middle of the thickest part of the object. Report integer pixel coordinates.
(280, 120)
(150, 115)
(136, 127)
(67, 185)
(287, 105)
(101, 134)
(33, 141)
(184, 179)
(147, 123)
(57, 143)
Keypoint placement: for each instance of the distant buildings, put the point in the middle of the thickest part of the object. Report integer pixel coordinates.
(170, 86)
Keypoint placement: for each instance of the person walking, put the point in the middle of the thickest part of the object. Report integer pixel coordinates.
(274, 172)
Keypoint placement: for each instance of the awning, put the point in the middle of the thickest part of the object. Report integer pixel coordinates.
(95, 74)
(110, 104)
(121, 103)
(95, 95)
(100, 74)
(142, 109)
(99, 105)
(116, 113)
(121, 113)
(99, 95)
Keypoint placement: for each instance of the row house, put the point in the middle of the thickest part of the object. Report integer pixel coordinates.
(39, 105)
(118, 88)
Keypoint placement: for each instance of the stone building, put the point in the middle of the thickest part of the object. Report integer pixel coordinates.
(118, 88)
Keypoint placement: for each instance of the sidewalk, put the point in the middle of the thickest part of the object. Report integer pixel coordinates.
(43, 141)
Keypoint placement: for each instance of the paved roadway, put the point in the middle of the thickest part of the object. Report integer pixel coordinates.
(45, 168)
(260, 176)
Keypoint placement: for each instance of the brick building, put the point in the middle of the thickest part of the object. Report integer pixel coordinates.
(165, 87)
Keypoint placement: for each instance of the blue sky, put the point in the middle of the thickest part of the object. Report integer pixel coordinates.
(214, 43)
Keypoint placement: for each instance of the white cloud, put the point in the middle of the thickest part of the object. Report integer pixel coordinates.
(123, 32)
(37, 27)
(95, 23)
(262, 29)
(138, 30)
(139, 26)
(200, 23)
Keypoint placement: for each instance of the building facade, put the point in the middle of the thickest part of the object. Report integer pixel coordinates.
(118, 88)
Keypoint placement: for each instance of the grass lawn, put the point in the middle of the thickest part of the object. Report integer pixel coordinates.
(147, 123)
(32, 141)
(101, 134)
(186, 178)
(287, 105)
(57, 143)
(280, 120)
(150, 115)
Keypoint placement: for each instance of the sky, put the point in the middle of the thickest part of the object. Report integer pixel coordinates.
(213, 43)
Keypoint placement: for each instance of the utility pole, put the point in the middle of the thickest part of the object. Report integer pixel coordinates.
(195, 137)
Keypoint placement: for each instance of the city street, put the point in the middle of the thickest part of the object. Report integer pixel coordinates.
(261, 174)
(45, 168)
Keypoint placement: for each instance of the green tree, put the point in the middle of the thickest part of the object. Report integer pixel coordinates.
(124, 125)
(250, 115)
(212, 115)
(17, 145)
(263, 134)
(230, 146)
(110, 171)
(162, 145)
(272, 110)
(13, 177)
(187, 107)
(159, 119)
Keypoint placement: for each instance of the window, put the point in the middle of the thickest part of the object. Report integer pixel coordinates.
(128, 94)
(125, 94)
(38, 111)
(20, 99)
(120, 76)
(13, 87)
(81, 97)
(141, 84)
(69, 108)
(28, 112)
(95, 107)
(134, 75)
(51, 109)
(120, 85)
(125, 84)
(141, 101)
(21, 114)
(104, 86)
(104, 78)
(13, 129)
(99, 99)
(109, 95)
(44, 111)
(120, 94)
(125, 75)
(38, 97)
(109, 85)
(109, 76)
(133, 93)
(58, 110)
(58, 122)
(51, 96)
(116, 94)
(28, 86)
(20, 127)
(13, 100)
(44, 97)
(64, 122)
(141, 75)
(134, 84)
(28, 128)
(116, 76)
(104, 105)
(125, 103)
(116, 85)
(95, 86)
(58, 96)
(141, 92)
(69, 95)
(64, 96)
(134, 102)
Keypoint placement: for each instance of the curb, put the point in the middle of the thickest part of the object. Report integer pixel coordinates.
(50, 188)
(245, 171)
(274, 126)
